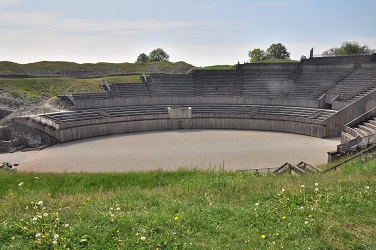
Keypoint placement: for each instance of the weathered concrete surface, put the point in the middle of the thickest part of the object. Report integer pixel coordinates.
(237, 149)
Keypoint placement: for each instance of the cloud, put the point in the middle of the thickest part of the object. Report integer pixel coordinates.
(284, 3)
(48, 36)
(274, 3)
(204, 9)
(49, 24)
(6, 3)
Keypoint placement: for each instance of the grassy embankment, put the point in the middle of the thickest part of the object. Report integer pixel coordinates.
(189, 209)
(49, 79)
(36, 89)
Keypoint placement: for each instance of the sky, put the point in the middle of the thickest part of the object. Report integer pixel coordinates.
(200, 32)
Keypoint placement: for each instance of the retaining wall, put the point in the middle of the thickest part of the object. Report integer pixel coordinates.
(186, 101)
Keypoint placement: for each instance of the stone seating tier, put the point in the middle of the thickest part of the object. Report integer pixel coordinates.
(92, 114)
(172, 84)
(312, 83)
(353, 85)
(92, 95)
(356, 59)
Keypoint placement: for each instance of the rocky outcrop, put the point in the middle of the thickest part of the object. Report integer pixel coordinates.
(6, 166)
(16, 137)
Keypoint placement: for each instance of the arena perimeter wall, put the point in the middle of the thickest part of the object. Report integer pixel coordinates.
(109, 128)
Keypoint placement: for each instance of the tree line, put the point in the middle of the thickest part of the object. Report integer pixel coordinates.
(276, 51)
(279, 51)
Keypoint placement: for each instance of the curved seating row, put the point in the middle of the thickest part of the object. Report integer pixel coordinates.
(360, 135)
(198, 111)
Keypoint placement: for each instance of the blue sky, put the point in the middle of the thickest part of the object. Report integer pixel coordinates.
(200, 32)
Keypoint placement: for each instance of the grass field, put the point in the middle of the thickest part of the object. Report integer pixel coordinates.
(189, 209)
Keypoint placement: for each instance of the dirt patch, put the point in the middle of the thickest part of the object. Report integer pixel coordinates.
(169, 150)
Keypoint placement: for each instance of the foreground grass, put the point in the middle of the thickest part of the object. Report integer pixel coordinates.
(189, 209)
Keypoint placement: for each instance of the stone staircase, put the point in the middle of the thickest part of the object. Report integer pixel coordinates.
(238, 82)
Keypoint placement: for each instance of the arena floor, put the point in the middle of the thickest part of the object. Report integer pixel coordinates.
(170, 150)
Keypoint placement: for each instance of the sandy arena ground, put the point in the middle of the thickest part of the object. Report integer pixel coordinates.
(170, 150)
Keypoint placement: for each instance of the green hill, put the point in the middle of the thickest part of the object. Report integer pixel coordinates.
(88, 70)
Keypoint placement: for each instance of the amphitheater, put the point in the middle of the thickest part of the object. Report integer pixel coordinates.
(321, 97)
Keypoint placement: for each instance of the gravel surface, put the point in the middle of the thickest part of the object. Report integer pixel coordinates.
(170, 150)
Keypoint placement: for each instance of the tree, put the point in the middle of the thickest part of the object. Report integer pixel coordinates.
(348, 48)
(277, 51)
(158, 55)
(142, 58)
(257, 55)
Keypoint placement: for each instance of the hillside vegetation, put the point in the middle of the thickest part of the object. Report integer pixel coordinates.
(88, 70)
(35, 89)
(189, 209)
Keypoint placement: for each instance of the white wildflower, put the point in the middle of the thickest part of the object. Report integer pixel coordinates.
(257, 204)
(302, 186)
(35, 219)
(56, 236)
(118, 209)
(316, 184)
(21, 184)
(40, 203)
(316, 189)
(66, 225)
(143, 238)
(38, 235)
(367, 187)
(45, 214)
